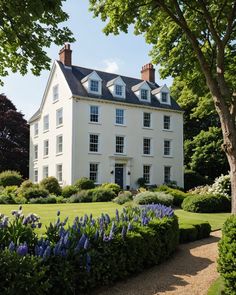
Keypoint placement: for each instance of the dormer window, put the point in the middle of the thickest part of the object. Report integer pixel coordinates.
(164, 97)
(142, 91)
(94, 85)
(144, 94)
(118, 90)
(162, 93)
(117, 87)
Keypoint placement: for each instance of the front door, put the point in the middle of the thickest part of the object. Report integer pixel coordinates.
(119, 174)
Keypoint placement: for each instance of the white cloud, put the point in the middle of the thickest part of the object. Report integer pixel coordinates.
(111, 66)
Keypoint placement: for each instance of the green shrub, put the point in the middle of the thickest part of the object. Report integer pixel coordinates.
(51, 185)
(41, 200)
(193, 179)
(206, 203)
(35, 192)
(112, 186)
(102, 195)
(84, 183)
(24, 186)
(7, 199)
(20, 200)
(84, 196)
(9, 192)
(69, 190)
(153, 198)
(193, 232)
(227, 255)
(141, 182)
(178, 195)
(8, 178)
(123, 197)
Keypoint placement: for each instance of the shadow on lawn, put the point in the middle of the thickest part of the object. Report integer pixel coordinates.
(166, 276)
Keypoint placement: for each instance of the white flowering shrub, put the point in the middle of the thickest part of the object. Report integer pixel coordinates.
(200, 190)
(221, 186)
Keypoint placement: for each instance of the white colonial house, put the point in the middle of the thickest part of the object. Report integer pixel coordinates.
(107, 127)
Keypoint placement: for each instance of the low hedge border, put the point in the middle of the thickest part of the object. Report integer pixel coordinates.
(192, 232)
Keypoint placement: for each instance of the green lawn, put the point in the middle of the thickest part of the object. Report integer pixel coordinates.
(47, 212)
(216, 220)
(217, 287)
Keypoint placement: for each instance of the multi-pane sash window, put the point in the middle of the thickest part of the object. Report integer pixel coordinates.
(36, 175)
(59, 117)
(35, 152)
(167, 172)
(93, 172)
(93, 142)
(46, 123)
(166, 122)
(167, 147)
(36, 129)
(46, 147)
(118, 90)
(144, 94)
(94, 114)
(94, 85)
(59, 144)
(146, 173)
(55, 92)
(59, 172)
(146, 119)
(120, 116)
(164, 97)
(120, 142)
(147, 146)
(45, 171)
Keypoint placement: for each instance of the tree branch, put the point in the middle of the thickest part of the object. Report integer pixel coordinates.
(231, 24)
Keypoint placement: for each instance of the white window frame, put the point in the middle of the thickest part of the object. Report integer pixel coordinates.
(167, 97)
(98, 143)
(98, 114)
(59, 144)
(170, 168)
(124, 144)
(55, 92)
(36, 129)
(148, 127)
(120, 124)
(46, 123)
(166, 129)
(97, 172)
(90, 86)
(121, 88)
(150, 147)
(60, 179)
(170, 148)
(46, 148)
(45, 171)
(59, 117)
(36, 175)
(150, 173)
(36, 152)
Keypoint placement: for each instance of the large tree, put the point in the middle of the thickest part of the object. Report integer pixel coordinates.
(14, 138)
(191, 39)
(26, 28)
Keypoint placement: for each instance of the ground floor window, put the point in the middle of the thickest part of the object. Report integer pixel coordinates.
(93, 172)
(36, 175)
(146, 173)
(167, 174)
(59, 172)
(45, 171)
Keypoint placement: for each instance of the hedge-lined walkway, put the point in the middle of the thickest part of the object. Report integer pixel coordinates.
(191, 271)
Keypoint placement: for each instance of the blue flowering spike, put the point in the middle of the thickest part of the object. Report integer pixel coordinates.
(22, 249)
(58, 213)
(11, 246)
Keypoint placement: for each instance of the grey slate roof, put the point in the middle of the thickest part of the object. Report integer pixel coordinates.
(76, 74)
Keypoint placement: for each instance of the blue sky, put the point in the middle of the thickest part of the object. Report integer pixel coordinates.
(124, 54)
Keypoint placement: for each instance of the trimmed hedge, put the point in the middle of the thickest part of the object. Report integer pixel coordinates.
(206, 203)
(193, 232)
(93, 195)
(148, 197)
(123, 198)
(69, 190)
(112, 186)
(35, 192)
(9, 178)
(178, 195)
(227, 255)
(84, 183)
(51, 185)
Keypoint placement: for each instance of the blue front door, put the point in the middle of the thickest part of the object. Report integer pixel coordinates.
(119, 174)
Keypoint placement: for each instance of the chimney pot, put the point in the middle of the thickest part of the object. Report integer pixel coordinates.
(148, 73)
(65, 55)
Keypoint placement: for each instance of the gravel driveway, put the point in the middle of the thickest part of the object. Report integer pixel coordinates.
(189, 272)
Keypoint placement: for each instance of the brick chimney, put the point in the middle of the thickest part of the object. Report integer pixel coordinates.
(65, 55)
(148, 73)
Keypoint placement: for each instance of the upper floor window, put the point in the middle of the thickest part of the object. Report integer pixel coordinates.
(35, 152)
(55, 92)
(147, 146)
(45, 171)
(118, 90)
(93, 172)
(94, 114)
(94, 85)
(59, 172)
(59, 148)
(146, 173)
(36, 129)
(147, 120)
(164, 97)
(46, 123)
(59, 117)
(167, 174)
(93, 143)
(120, 144)
(167, 147)
(166, 122)
(120, 116)
(144, 94)
(46, 147)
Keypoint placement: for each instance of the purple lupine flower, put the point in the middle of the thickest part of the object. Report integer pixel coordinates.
(88, 262)
(22, 249)
(91, 216)
(130, 227)
(96, 235)
(81, 241)
(123, 232)
(11, 246)
(65, 221)
(86, 244)
(20, 207)
(107, 218)
(117, 215)
(47, 252)
(58, 213)
(39, 225)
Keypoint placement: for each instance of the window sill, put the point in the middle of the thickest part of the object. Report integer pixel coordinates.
(36, 136)
(167, 156)
(147, 155)
(56, 100)
(35, 160)
(59, 126)
(120, 154)
(59, 154)
(120, 125)
(45, 131)
(147, 128)
(45, 157)
(95, 123)
(94, 153)
(168, 130)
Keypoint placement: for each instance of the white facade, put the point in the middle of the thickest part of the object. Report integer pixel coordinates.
(68, 149)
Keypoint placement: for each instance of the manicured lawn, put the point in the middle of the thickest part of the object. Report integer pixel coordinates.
(216, 220)
(216, 288)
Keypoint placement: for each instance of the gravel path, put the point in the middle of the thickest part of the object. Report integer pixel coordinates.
(189, 272)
